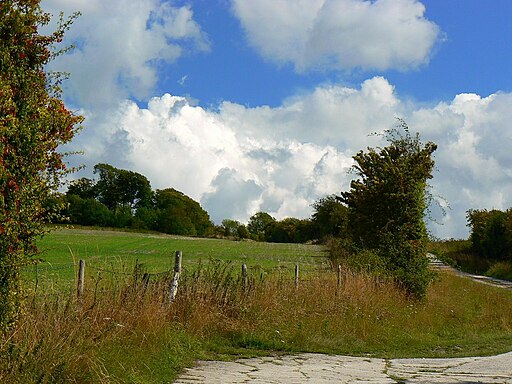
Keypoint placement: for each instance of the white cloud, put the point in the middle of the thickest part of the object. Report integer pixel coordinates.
(339, 34)
(238, 160)
(473, 159)
(330, 115)
(119, 44)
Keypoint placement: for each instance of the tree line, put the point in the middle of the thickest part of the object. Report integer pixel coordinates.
(124, 199)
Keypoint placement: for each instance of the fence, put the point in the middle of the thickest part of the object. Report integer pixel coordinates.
(173, 275)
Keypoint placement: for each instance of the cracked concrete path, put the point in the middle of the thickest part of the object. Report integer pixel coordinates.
(318, 368)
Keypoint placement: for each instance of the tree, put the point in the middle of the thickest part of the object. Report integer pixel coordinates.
(88, 212)
(84, 188)
(491, 233)
(388, 203)
(179, 214)
(289, 230)
(230, 227)
(330, 217)
(118, 188)
(258, 223)
(33, 124)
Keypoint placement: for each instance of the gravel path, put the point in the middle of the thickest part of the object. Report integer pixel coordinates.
(318, 368)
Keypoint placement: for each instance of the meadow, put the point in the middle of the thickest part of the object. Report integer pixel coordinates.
(126, 332)
(115, 253)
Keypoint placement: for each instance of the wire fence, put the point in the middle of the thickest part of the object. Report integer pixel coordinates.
(54, 279)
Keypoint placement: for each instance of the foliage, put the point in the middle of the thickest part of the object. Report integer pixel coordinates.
(230, 227)
(33, 124)
(289, 230)
(242, 232)
(501, 270)
(117, 188)
(388, 202)
(122, 199)
(258, 223)
(343, 253)
(330, 217)
(491, 233)
(179, 214)
(84, 188)
(87, 211)
(234, 229)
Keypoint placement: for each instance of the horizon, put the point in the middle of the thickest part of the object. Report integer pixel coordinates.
(260, 106)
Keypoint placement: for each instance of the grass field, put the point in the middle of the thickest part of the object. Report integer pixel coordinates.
(118, 252)
(131, 334)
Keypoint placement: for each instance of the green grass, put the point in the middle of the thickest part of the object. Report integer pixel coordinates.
(128, 334)
(107, 251)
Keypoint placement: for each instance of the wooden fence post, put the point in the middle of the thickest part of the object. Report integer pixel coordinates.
(244, 276)
(80, 287)
(145, 281)
(297, 275)
(176, 278)
(339, 276)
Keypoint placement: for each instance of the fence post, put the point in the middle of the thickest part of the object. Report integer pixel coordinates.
(244, 276)
(176, 278)
(145, 281)
(297, 275)
(339, 276)
(80, 287)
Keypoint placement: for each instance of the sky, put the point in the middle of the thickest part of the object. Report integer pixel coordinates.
(260, 105)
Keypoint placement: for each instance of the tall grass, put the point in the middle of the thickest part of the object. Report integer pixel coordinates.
(127, 332)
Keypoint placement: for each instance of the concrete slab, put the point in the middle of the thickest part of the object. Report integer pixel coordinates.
(318, 368)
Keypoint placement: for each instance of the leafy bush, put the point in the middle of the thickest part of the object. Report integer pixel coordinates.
(34, 123)
(387, 205)
(491, 233)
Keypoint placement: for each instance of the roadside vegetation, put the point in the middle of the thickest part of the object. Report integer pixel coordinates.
(488, 251)
(125, 333)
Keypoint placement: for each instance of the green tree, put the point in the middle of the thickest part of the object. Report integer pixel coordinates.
(242, 232)
(88, 212)
(230, 227)
(490, 233)
(33, 124)
(388, 202)
(289, 230)
(84, 187)
(118, 188)
(330, 217)
(258, 223)
(179, 214)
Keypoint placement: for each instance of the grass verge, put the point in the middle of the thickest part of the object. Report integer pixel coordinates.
(131, 335)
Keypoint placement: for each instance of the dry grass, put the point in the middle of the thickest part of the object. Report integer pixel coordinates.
(129, 333)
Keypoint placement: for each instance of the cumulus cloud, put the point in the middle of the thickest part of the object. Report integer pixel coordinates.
(329, 115)
(473, 160)
(339, 34)
(119, 45)
(237, 160)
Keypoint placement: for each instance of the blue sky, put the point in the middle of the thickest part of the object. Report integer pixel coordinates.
(472, 56)
(260, 105)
